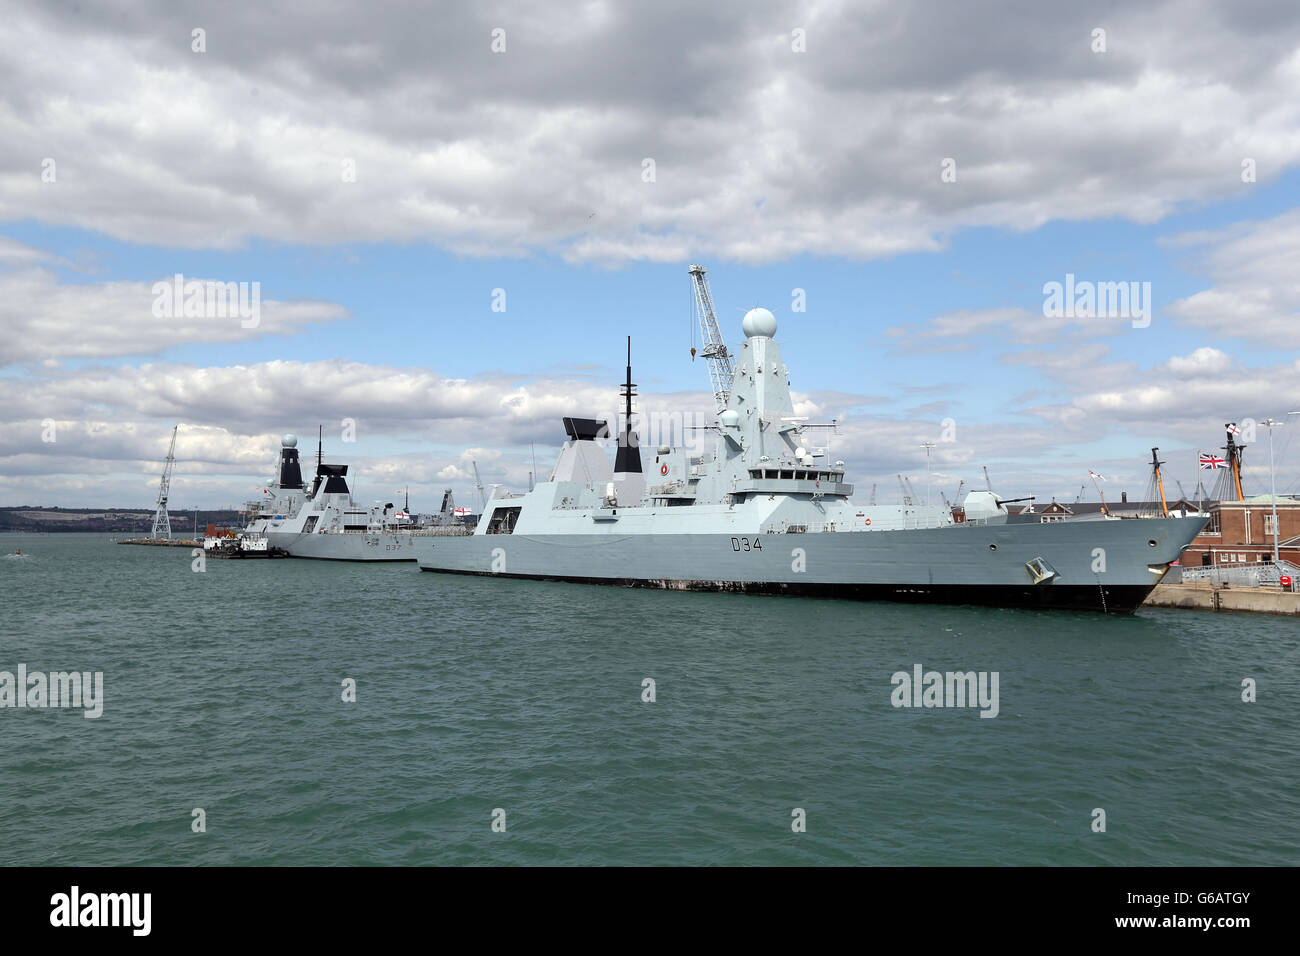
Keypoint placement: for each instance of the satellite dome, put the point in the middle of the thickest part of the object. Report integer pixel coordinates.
(758, 322)
(730, 418)
(289, 441)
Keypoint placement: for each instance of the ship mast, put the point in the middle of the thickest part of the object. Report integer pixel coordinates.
(1160, 485)
(627, 459)
(1234, 458)
(162, 524)
(714, 349)
(1230, 484)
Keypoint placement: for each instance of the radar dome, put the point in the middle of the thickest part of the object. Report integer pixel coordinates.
(289, 441)
(730, 418)
(759, 322)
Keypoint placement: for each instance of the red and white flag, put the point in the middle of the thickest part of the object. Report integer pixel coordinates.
(1097, 476)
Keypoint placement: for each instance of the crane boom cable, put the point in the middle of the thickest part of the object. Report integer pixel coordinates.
(713, 347)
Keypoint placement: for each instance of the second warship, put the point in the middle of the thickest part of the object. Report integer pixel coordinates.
(322, 520)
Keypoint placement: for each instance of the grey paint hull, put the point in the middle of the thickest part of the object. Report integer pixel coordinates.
(1100, 565)
(345, 547)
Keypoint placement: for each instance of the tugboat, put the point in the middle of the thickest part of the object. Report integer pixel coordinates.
(323, 521)
(767, 512)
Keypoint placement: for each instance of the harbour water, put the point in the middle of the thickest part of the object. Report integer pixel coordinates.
(223, 691)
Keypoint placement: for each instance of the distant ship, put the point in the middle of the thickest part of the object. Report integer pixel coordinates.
(322, 520)
(768, 513)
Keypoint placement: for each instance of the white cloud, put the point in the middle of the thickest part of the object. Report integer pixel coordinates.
(1203, 361)
(44, 319)
(1256, 291)
(761, 153)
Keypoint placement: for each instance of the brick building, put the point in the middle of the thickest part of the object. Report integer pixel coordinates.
(1242, 532)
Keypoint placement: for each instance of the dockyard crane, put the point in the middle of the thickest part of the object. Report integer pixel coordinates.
(713, 348)
(162, 524)
(482, 497)
(902, 485)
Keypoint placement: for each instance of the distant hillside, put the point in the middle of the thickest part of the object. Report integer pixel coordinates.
(29, 519)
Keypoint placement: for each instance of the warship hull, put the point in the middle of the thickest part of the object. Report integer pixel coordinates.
(346, 546)
(1107, 566)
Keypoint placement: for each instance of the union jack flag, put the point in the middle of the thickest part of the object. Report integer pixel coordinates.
(1209, 462)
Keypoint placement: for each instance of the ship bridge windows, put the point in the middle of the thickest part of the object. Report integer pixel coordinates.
(799, 474)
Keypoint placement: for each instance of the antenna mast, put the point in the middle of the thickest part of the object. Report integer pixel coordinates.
(162, 523)
(627, 460)
(713, 348)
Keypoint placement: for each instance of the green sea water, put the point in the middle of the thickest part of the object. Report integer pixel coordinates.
(223, 691)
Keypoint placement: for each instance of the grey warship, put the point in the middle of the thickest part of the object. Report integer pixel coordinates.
(322, 520)
(766, 512)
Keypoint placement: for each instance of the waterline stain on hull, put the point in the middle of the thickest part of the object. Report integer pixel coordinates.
(1112, 599)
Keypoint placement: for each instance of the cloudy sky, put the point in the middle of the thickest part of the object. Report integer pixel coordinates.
(454, 214)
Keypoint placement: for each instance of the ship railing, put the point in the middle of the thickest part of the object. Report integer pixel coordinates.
(1241, 574)
(855, 523)
(444, 531)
